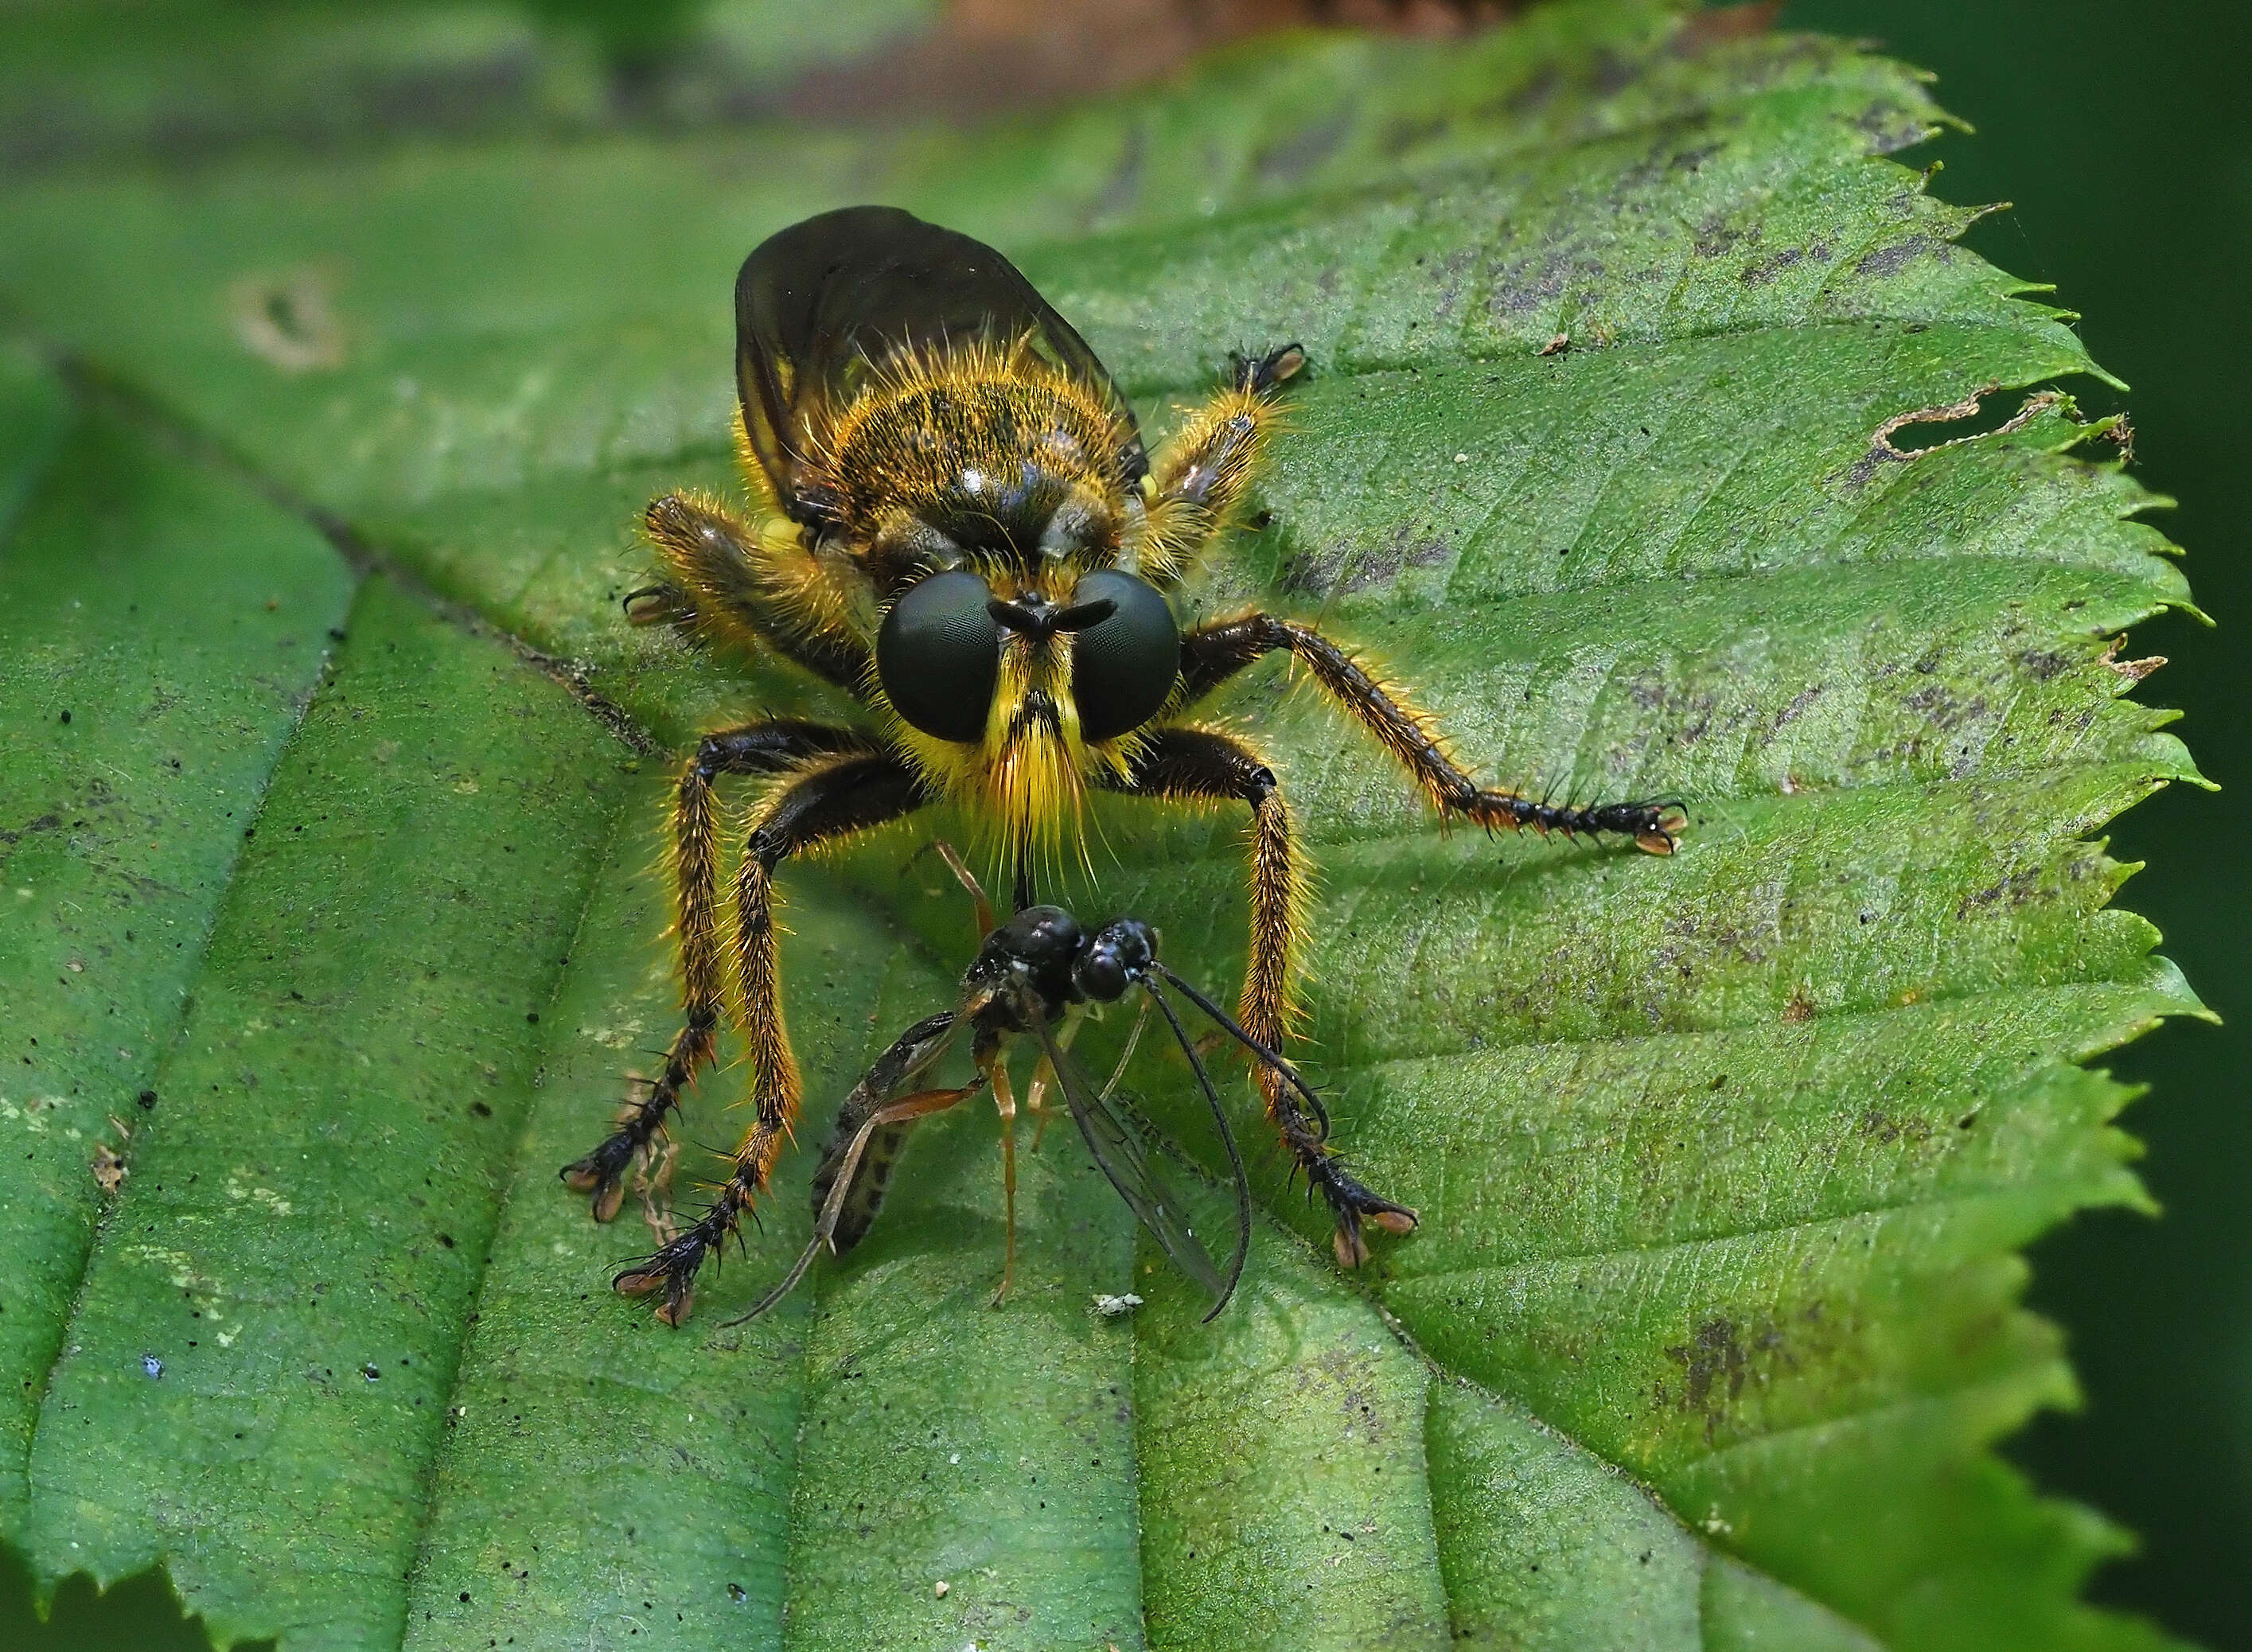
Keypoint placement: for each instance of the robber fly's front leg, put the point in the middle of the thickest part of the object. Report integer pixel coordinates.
(1191, 763)
(823, 800)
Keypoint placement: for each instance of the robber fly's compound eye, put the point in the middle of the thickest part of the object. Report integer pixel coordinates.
(1123, 668)
(938, 653)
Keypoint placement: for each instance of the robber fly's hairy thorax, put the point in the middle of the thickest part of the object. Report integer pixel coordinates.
(953, 520)
(982, 459)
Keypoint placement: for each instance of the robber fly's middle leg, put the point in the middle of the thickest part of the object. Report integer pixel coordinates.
(1201, 764)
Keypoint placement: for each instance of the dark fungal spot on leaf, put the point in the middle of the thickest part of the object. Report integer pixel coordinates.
(1345, 569)
(1767, 269)
(1890, 260)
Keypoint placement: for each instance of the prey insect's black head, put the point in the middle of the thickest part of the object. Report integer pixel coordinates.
(1115, 957)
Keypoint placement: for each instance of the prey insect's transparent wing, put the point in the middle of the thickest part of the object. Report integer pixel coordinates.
(821, 305)
(1119, 1151)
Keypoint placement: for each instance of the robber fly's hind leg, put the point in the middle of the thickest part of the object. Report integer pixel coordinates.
(756, 748)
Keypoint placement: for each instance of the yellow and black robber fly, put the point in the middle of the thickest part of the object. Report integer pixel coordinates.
(955, 521)
(1033, 975)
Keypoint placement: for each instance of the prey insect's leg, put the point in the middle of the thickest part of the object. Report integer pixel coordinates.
(1213, 653)
(831, 799)
(1133, 1040)
(730, 583)
(891, 1119)
(756, 748)
(1193, 763)
(996, 1072)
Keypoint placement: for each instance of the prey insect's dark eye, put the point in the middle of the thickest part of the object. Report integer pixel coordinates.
(1118, 956)
(1122, 669)
(938, 653)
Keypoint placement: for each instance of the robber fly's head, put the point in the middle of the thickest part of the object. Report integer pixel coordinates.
(994, 495)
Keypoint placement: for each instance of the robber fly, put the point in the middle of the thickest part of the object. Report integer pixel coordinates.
(953, 520)
(1032, 975)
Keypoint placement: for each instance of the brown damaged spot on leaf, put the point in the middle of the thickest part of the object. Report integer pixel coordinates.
(1723, 24)
(2133, 670)
(287, 319)
(1883, 450)
(984, 56)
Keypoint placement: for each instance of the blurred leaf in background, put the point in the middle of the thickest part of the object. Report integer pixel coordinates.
(330, 413)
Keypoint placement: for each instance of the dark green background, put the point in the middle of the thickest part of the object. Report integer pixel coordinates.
(2123, 134)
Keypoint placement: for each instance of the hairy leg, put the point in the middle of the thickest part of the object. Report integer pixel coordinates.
(825, 800)
(1213, 653)
(756, 748)
(728, 582)
(1197, 477)
(1192, 764)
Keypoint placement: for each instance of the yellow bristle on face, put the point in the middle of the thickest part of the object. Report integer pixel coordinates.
(1026, 782)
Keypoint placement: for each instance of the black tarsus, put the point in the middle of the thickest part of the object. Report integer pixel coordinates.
(1348, 1197)
(601, 1172)
(1257, 373)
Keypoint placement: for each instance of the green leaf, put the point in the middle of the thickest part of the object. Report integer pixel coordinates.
(320, 474)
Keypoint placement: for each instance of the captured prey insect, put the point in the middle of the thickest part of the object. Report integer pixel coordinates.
(955, 521)
(1033, 975)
